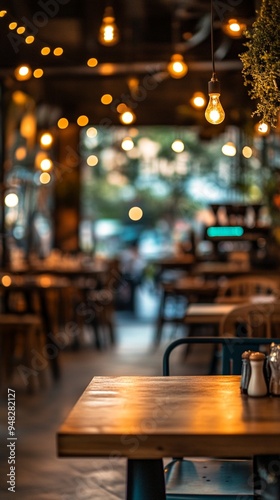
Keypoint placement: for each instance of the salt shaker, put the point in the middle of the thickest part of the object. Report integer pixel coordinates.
(274, 363)
(245, 372)
(257, 385)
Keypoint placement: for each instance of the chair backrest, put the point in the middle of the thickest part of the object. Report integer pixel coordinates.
(232, 349)
(251, 320)
(247, 286)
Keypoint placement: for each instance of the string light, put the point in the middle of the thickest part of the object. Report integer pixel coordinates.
(108, 33)
(177, 68)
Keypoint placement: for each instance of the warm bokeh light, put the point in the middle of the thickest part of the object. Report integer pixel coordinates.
(45, 178)
(62, 123)
(198, 100)
(40, 156)
(178, 146)
(46, 139)
(229, 149)
(121, 108)
(21, 30)
(106, 99)
(29, 39)
(92, 160)
(45, 51)
(45, 281)
(28, 126)
(127, 144)
(23, 72)
(3, 13)
(177, 68)
(19, 97)
(20, 153)
(91, 132)
(38, 73)
(135, 213)
(6, 280)
(46, 164)
(11, 200)
(127, 117)
(234, 28)
(82, 120)
(247, 152)
(92, 62)
(262, 128)
(13, 25)
(58, 51)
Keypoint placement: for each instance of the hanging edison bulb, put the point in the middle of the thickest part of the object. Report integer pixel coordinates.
(177, 68)
(214, 112)
(108, 33)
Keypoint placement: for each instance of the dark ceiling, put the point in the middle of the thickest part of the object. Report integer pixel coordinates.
(151, 30)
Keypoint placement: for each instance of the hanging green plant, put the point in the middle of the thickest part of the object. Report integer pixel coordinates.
(261, 62)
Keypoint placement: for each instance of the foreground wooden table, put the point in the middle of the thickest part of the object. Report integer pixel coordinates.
(148, 418)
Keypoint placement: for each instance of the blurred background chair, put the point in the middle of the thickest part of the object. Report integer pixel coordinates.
(257, 319)
(235, 290)
(213, 478)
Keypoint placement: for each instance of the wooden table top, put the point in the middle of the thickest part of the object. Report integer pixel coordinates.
(207, 313)
(156, 417)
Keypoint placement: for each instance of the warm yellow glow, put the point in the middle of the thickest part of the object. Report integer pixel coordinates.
(12, 26)
(28, 126)
(106, 99)
(178, 146)
(45, 178)
(20, 153)
(45, 51)
(58, 51)
(11, 200)
(45, 281)
(92, 160)
(91, 132)
(214, 112)
(29, 39)
(23, 72)
(198, 100)
(121, 108)
(19, 97)
(38, 73)
(108, 33)
(262, 128)
(40, 156)
(92, 62)
(46, 139)
(177, 67)
(3, 13)
(234, 28)
(6, 280)
(229, 149)
(62, 123)
(135, 213)
(82, 120)
(46, 164)
(127, 117)
(127, 144)
(21, 30)
(247, 152)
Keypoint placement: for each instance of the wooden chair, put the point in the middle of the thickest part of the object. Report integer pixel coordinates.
(20, 350)
(252, 320)
(247, 286)
(212, 479)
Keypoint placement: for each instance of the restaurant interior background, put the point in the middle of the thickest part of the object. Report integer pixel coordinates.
(79, 178)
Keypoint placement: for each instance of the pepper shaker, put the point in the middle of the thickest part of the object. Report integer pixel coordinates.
(257, 385)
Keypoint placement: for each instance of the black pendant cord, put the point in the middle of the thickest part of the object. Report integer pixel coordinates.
(212, 40)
